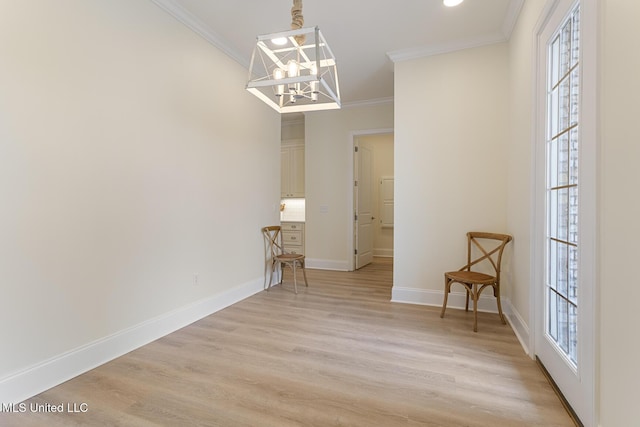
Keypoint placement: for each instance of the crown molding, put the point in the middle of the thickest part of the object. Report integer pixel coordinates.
(512, 17)
(191, 21)
(426, 51)
(509, 23)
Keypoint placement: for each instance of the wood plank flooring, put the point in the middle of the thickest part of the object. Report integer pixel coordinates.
(337, 354)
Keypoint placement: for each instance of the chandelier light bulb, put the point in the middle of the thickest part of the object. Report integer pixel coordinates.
(278, 74)
(314, 84)
(293, 68)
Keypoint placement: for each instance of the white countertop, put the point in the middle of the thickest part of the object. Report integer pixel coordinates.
(294, 210)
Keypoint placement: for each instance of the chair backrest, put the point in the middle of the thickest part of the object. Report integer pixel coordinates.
(491, 247)
(273, 240)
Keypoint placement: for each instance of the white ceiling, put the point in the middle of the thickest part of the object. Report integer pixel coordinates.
(366, 36)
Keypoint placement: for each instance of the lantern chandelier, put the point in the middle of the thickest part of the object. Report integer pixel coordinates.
(295, 70)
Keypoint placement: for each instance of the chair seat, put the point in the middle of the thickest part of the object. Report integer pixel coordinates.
(470, 277)
(289, 257)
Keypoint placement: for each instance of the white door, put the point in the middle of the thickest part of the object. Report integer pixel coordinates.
(565, 248)
(364, 207)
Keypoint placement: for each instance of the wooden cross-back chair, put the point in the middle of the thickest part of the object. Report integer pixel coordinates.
(276, 257)
(475, 282)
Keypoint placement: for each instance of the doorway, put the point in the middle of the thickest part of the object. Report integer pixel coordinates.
(373, 206)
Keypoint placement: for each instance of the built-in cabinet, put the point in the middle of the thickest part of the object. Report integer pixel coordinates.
(292, 168)
(293, 237)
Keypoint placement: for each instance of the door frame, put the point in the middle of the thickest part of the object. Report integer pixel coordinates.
(351, 144)
(586, 408)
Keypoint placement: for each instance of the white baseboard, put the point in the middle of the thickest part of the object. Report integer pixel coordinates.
(456, 300)
(435, 297)
(326, 264)
(34, 380)
(520, 328)
(387, 253)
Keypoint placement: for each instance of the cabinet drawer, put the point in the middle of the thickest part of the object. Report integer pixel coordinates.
(291, 226)
(292, 238)
(298, 250)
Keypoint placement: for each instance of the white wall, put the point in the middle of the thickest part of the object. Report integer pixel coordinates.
(450, 164)
(126, 167)
(619, 210)
(520, 161)
(328, 180)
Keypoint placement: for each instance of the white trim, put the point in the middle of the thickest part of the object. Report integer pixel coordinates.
(508, 25)
(383, 252)
(35, 379)
(326, 264)
(456, 300)
(426, 51)
(191, 21)
(512, 17)
(520, 328)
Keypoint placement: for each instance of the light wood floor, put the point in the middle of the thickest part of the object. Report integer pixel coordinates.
(337, 354)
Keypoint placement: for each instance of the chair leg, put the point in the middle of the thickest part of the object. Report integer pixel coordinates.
(466, 304)
(272, 267)
(447, 288)
(475, 308)
(497, 292)
(295, 282)
(304, 274)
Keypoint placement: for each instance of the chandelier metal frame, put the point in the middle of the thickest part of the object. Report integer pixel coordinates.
(294, 71)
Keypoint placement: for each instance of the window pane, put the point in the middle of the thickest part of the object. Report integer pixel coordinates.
(575, 39)
(574, 97)
(563, 159)
(562, 196)
(562, 277)
(552, 264)
(573, 156)
(563, 324)
(554, 114)
(573, 333)
(565, 49)
(553, 315)
(553, 214)
(564, 104)
(552, 162)
(554, 58)
(573, 274)
(563, 117)
(572, 215)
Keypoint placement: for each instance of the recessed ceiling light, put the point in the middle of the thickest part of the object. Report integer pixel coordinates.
(280, 41)
(451, 3)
